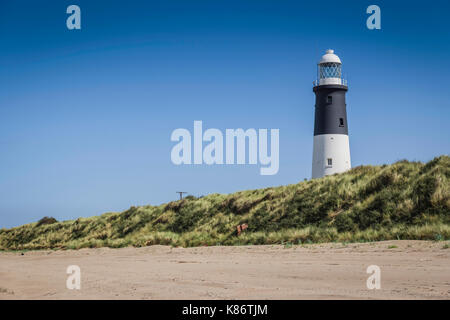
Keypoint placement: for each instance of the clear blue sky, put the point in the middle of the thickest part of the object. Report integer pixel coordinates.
(86, 116)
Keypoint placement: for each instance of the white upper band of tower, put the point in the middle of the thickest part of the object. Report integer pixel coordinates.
(329, 70)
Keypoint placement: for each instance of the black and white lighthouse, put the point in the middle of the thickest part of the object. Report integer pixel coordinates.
(331, 152)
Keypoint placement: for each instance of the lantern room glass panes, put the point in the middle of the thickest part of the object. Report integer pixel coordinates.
(330, 70)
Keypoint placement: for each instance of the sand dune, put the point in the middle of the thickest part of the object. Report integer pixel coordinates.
(409, 270)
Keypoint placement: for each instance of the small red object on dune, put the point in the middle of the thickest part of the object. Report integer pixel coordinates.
(241, 228)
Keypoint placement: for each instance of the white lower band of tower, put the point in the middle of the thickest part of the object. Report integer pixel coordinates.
(331, 154)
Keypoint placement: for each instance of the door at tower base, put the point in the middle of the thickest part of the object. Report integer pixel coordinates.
(331, 154)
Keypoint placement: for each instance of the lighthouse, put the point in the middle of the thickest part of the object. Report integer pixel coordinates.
(331, 151)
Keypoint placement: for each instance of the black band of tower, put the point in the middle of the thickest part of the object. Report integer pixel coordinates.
(331, 113)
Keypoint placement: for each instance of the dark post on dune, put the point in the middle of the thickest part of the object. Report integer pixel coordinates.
(181, 194)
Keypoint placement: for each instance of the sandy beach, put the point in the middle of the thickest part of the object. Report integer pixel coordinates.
(409, 270)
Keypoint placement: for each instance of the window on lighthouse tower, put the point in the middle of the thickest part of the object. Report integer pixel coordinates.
(330, 162)
(341, 122)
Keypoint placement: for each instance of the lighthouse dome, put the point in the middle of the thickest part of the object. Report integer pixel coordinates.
(330, 57)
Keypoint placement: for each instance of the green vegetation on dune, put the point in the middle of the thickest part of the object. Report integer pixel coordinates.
(405, 200)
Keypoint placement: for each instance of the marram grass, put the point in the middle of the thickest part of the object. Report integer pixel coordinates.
(405, 200)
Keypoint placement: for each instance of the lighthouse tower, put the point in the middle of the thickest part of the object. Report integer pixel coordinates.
(331, 152)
